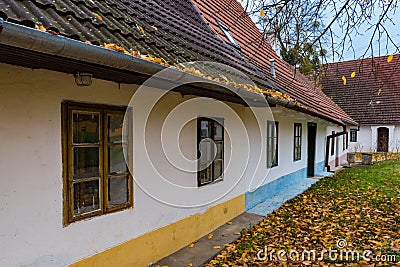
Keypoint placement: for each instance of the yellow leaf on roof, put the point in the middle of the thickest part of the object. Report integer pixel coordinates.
(216, 247)
(344, 80)
(390, 58)
(353, 74)
(140, 28)
(40, 28)
(191, 245)
(97, 16)
(379, 91)
(262, 13)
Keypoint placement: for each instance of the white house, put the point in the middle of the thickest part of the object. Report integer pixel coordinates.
(110, 158)
(371, 98)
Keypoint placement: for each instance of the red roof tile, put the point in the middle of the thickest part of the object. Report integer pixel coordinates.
(258, 51)
(373, 95)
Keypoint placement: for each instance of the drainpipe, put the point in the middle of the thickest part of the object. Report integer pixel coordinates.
(328, 141)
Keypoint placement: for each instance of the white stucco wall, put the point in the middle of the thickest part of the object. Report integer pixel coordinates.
(31, 204)
(31, 225)
(367, 138)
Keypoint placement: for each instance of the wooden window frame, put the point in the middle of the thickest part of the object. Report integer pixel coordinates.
(68, 108)
(270, 162)
(297, 157)
(213, 121)
(353, 135)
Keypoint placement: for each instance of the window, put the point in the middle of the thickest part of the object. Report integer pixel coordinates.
(353, 135)
(96, 177)
(210, 143)
(228, 34)
(344, 142)
(272, 144)
(297, 142)
(333, 144)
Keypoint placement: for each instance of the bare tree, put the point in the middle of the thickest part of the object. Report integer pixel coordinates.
(310, 28)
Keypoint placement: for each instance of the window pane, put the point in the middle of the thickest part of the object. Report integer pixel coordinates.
(205, 129)
(115, 126)
(219, 131)
(118, 192)
(86, 162)
(220, 149)
(86, 197)
(85, 128)
(205, 175)
(217, 169)
(206, 150)
(116, 159)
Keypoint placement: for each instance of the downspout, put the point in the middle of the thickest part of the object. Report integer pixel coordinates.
(328, 142)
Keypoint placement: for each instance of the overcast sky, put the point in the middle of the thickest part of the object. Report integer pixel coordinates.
(361, 42)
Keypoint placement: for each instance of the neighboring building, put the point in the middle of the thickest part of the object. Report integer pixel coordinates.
(371, 98)
(67, 196)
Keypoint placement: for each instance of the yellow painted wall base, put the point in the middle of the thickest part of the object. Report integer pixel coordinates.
(162, 242)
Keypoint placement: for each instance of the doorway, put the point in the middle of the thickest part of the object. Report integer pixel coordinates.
(383, 139)
(311, 140)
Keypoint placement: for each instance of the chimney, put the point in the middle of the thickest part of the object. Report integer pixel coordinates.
(272, 63)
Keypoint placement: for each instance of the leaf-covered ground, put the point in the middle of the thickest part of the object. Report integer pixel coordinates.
(356, 210)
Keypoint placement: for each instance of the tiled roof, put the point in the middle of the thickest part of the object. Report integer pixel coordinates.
(373, 95)
(258, 51)
(168, 29)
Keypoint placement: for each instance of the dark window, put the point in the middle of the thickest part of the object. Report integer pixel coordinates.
(353, 135)
(210, 142)
(333, 144)
(272, 144)
(297, 142)
(228, 35)
(96, 177)
(344, 141)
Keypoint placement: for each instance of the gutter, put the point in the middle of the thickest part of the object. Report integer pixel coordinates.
(23, 37)
(47, 43)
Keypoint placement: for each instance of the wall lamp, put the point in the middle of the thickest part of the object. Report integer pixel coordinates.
(83, 79)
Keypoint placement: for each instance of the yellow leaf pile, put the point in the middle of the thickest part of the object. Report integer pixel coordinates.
(360, 206)
(161, 61)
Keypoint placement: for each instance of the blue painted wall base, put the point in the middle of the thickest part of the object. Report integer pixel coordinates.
(271, 196)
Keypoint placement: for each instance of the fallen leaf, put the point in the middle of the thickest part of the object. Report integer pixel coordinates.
(140, 28)
(389, 58)
(191, 245)
(216, 247)
(97, 16)
(353, 74)
(262, 13)
(344, 80)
